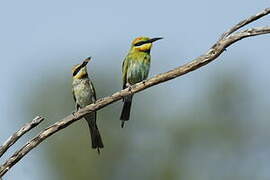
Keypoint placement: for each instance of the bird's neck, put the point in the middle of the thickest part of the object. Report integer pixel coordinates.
(81, 76)
(84, 76)
(77, 81)
(141, 51)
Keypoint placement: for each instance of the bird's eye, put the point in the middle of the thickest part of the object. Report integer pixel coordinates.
(140, 43)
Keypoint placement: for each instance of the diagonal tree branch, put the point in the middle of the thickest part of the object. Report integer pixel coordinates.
(200, 61)
(12, 139)
(245, 22)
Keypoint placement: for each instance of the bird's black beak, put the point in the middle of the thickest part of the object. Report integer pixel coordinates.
(85, 62)
(154, 39)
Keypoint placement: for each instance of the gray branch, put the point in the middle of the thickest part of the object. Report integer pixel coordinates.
(12, 139)
(220, 46)
(246, 22)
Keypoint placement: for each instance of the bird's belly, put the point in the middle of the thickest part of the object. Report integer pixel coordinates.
(137, 73)
(83, 96)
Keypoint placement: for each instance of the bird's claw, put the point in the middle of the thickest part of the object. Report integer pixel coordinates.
(73, 113)
(144, 81)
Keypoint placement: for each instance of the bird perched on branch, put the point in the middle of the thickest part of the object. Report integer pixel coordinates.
(135, 68)
(84, 94)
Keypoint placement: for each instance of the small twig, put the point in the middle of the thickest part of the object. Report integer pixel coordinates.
(12, 139)
(200, 61)
(245, 22)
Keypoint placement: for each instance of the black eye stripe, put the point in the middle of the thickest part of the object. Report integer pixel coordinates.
(77, 70)
(140, 43)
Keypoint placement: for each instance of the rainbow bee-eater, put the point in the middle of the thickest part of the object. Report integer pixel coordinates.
(84, 94)
(135, 68)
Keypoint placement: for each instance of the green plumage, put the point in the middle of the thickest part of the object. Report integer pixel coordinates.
(135, 68)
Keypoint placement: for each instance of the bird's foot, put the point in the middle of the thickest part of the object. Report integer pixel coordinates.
(73, 113)
(144, 81)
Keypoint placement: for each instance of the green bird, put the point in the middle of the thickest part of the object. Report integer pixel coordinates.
(135, 68)
(84, 94)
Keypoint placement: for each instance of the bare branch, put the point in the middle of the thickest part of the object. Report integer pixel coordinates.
(202, 60)
(12, 139)
(245, 22)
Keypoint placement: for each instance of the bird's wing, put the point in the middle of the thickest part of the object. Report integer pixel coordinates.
(94, 98)
(125, 65)
(93, 91)
(73, 94)
(77, 106)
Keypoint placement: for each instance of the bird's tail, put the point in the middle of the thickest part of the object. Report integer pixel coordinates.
(126, 109)
(94, 132)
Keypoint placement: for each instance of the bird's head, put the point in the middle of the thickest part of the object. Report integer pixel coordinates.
(79, 71)
(143, 44)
